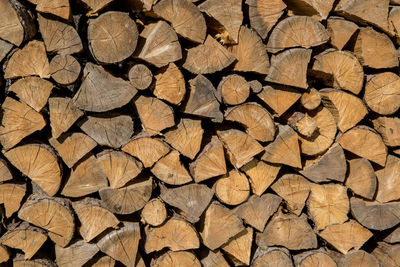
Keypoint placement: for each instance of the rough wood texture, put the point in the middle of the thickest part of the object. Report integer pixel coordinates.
(65, 69)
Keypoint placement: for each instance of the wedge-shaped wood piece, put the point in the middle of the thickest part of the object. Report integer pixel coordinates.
(11, 196)
(289, 231)
(329, 166)
(346, 236)
(208, 57)
(105, 261)
(38, 162)
(256, 119)
(314, 258)
(185, 18)
(212, 234)
(317, 9)
(239, 246)
(17, 122)
(203, 99)
(343, 67)
(364, 142)
(65, 69)
(76, 254)
(264, 14)
(32, 91)
(393, 237)
(389, 129)
(234, 89)
(240, 147)
(361, 178)
(257, 210)
(51, 214)
(5, 255)
(233, 188)
(394, 21)
(228, 13)
(186, 138)
(303, 124)
(297, 31)
(170, 85)
(140, 76)
(156, 51)
(191, 199)
(290, 68)
(214, 258)
(100, 91)
(95, 6)
(73, 147)
(94, 218)
(148, 150)
(340, 31)
(176, 258)
(250, 52)
(360, 258)
(311, 99)
(5, 48)
(328, 204)
(128, 199)
(375, 49)
(273, 256)
(279, 98)
(388, 180)
(122, 244)
(210, 162)
(176, 234)
(59, 37)
(154, 213)
(284, 149)
(154, 114)
(59, 8)
(387, 255)
(294, 189)
(5, 172)
(63, 115)
(170, 170)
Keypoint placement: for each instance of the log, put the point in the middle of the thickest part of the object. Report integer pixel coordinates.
(11, 196)
(214, 259)
(170, 85)
(105, 261)
(387, 189)
(273, 256)
(176, 258)
(360, 258)
(234, 89)
(340, 31)
(393, 237)
(394, 21)
(316, 9)
(5, 48)
(303, 124)
(59, 8)
(240, 246)
(387, 255)
(76, 254)
(63, 114)
(389, 129)
(311, 99)
(5, 172)
(65, 69)
(95, 6)
(154, 213)
(279, 98)
(255, 86)
(361, 178)
(4, 254)
(140, 76)
(314, 258)
(233, 188)
(170, 170)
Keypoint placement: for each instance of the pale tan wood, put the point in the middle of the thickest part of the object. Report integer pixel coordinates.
(360, 258)
(240, 246)
(170, 85)
(318, 9)
(17, 122)
(279, 98)
(5, 172)
(170, 169)
(95, 6)
(39, 163)
(255, 86)
(5, 255)
(59, 8)
(213, 259)
(105, 261)
(234, 89)
(311, 99)
(387, 255)
(5, 48)
(140, 76)
(394, 21)
(361, 178)
(176, 259)
(11, 196)
(340, 31)
(388, 180)
(389, 129)
(65, 69)
(314, 258)
(154, 213)
(63, 114)
(273, 256)
(394, 236)
(303, 124)
(76, 254)
(233, 188)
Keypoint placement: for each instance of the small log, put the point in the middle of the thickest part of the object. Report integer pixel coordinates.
(314, 258)
(387, 255)
(289, 231)
(127, 199)
(389, 129)
(290, 68)
(148, 150)
(364, 142)
(170, 170)
(5, 48)
(95, 6)
(170, 85)
(176, 258)
(51, 214)
(212, 234)
(279, 98)
(303, 124)
(11, 196)
(17, 122)
(256, 211)
(105, 261)
(255, 86)
(63, 114)
(186, 138)
(122, 244)
(273, 256)
(261, 175)
(76, 254)
(240, 147)
(191, 199)
(74, 147)
(185, 18)
(5, 172)
(59, 37)
(388, 179)
(203, 99)
(233, 188)
(140, 76)
(65, 69)
(213, 259)
(207, 58)
(294, 189)
(210, 162)
(375, 50)
(340, 31)
(106, 93)
(284, 149)
(285, 34)
(360, 258)
(316, 9)
(311, 100)
(89, 210)
(38, 162)
(239, 247)
(112, 37)
(234, 89)
(176, 234)
(361, 178)
(154, 213)
(59, 8)
(154, 114)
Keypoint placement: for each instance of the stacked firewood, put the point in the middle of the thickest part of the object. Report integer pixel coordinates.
(200, 133)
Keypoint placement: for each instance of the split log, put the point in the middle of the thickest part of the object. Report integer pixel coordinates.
(176, 258)
(105, 261)
(394, 21)
(361, 178)
(389, 129)
(233, 188)
(255, 86)
(65, 69)
(239, 247)
(388, 179)
(303, 124)
(59, 8)
(360, 258)
(140, 76)
(316, 9)
(95, 6)
(313, 259)
(154, 213)
(393, 237)
(5, 172)
(273, 256)
(76, 254)
(39, 163)
(311, 99)
(214, 259)
(170, 170)
(5, 48)
(279, 98)
(387, 255)
(170, 85)
(234, 89)
(340, 31)
(11, 196)
(5, 255)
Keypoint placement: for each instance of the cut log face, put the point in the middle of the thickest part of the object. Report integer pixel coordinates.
(185, 18)
(234, 89)
(5, 48)
(65, 69)
(76, 254)
(340, 31)
(279, 98)
(129, 199)
(232, 188)
(100, 91)
(5, 255)
(389, 129)
(11, 196)
(364, 142)
(95, 5)
(122, 244)
(361, 178)
(51, 214)
(387, 255)
(214, 259)
(360, 258)
(63, 115)
(170, 170)
(208, 57)
(176, 234)
(394, 21)
(140, 76)
(311, 99)
(18, 121)
(318, 9)
(105, 261)
(170, 85)
(112, 37)
(240, 246)
(393, 237)
(272, 257)
(388, 179)
(176, 258)
(314, 258)
(290, 68)
(39, 163)
(287, 34)
(5, 172)
(59, 8)
(154, 213)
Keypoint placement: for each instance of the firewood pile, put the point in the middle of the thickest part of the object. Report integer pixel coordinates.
(200, 133)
